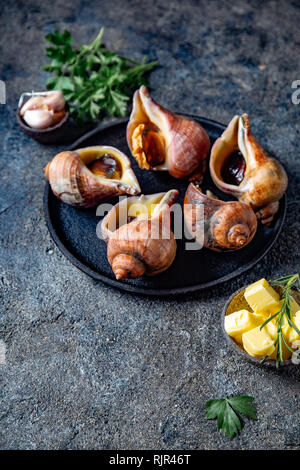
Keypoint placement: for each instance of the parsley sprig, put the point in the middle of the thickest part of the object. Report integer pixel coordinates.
(227, 410)
(286, 310)
(93, 79)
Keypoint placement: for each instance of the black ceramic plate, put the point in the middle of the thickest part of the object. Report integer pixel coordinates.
(74, 230)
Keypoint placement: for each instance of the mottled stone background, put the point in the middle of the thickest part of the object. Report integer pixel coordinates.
(88, 366)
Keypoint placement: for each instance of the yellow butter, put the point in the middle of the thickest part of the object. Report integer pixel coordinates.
(290, 335)
(272, 325)
(262, 298)
(271, 329)
(286, 328)
(240, 322)
(257, 342)
(289, 332)
(294, 305)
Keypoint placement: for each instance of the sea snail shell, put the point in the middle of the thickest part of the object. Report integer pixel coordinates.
(219, 225)
(241, 167)
(139, 236)
(161, 140)
(44, 110)
(85, 176)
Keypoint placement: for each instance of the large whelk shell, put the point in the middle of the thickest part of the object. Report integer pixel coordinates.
(161, 140)
(139, 236)
(85, 176)
(241, 167)
(218, 225)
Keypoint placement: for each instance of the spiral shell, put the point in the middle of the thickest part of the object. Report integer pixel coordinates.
(261, 181)
(218, 225)
(144, 243)
(161, 140)
(84, 177)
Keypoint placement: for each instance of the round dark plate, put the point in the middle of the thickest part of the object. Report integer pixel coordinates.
(74, 230)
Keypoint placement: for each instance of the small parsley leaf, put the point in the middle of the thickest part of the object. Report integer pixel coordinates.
(231, 425)
(226, 410)
(242, 404)
(213, 408)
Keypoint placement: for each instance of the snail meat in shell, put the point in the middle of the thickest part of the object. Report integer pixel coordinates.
(161, 140)
(139, 236)
(241, 167)
(85, 176)
(219, 225)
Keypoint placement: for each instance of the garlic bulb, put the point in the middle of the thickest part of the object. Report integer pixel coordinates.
(42, 111)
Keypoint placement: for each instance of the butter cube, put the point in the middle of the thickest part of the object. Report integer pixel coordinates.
(289, 332)
(258, 342)
(294, 305)
(240, 322)
(286, 328)
(290, 335)
(262, 298)
(271, 328)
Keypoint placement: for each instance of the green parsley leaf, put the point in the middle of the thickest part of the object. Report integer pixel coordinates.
(213, 408)
(93, 79)
(59, 39)
(242, 403)
(226, 410)
(231, 425)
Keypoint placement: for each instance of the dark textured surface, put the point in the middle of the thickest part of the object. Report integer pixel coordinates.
(88, 366)
(74, 230)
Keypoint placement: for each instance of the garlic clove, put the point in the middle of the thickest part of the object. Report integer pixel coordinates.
(36, 102)
(38, 118)
(55, 100)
